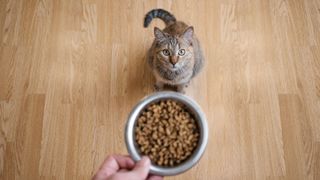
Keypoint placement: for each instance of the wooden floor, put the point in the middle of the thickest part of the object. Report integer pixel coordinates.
(70, 72)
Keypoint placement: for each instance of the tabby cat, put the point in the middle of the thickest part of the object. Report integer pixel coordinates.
(175, 56)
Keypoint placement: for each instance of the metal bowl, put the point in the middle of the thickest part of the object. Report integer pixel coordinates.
(200, 118)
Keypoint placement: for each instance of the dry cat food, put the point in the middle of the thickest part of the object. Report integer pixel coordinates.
(167, 133)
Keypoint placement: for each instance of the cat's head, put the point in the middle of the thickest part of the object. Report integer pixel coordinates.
(173, 52)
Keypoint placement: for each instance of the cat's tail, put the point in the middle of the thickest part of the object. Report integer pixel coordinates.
(158, 13)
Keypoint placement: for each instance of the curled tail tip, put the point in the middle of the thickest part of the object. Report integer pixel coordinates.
(147, 21)
(166, 16)
(145, 24)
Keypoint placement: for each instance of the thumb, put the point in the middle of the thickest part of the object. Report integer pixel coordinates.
(139, 172)
(141, 169)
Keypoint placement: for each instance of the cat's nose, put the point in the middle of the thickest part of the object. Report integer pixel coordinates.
(174, 60)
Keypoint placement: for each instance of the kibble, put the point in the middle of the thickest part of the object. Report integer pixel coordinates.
(167, 133)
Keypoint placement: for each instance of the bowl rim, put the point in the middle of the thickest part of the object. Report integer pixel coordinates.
(201, 121)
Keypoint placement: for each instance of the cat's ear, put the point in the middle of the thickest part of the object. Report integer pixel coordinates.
(188, 34)
(159, 34)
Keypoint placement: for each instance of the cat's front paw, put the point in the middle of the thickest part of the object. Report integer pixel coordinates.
(181, 89)
(157, 88)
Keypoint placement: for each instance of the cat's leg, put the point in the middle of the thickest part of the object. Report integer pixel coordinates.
(181, 88)
(187, 84)
(158, 86)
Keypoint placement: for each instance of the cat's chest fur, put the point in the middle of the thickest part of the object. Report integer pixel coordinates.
(173, 77)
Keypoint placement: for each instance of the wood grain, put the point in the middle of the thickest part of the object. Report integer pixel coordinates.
(70, 72)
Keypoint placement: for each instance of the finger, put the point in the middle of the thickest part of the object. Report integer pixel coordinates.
(123, 170)
(140, 171)
(116, 162)
(108, 167)
(124, 162)
(112, 164)
(154, 177)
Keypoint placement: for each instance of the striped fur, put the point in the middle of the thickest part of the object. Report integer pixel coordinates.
(173, 69)
(158, 13)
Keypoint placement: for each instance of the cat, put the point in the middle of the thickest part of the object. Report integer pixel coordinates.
(175, 56)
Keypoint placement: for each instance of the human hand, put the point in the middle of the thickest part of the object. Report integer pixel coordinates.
(118, 167)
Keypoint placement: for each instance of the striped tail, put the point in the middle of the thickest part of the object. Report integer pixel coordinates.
(158, 13)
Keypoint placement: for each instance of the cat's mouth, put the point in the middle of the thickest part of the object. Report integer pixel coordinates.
(174, 67)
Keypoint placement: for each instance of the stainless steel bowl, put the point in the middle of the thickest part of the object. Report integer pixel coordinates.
(193, 107)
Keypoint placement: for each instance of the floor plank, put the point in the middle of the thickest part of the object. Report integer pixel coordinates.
(70, 72)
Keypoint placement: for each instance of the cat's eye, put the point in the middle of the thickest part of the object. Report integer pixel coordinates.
(181, 52)
(166, 52)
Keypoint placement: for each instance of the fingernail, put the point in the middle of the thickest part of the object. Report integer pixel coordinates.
(145, 160)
